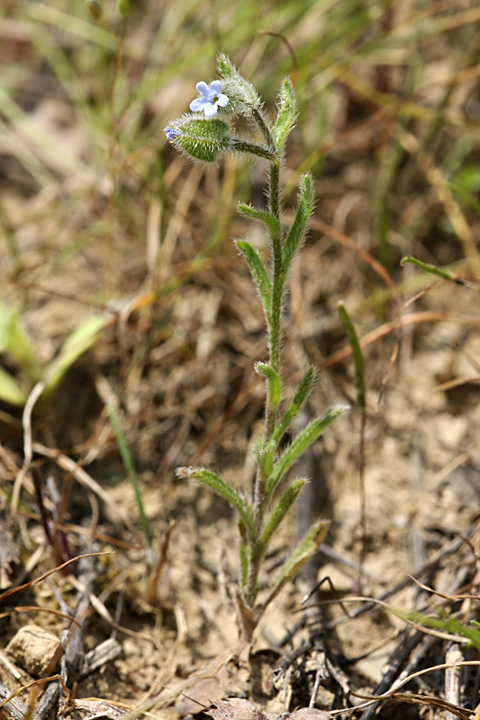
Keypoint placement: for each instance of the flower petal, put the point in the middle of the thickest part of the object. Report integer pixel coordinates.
(198, 104)
(210, 110)
(223, 100)
(216, 87)
(171, 132)
(203, 89)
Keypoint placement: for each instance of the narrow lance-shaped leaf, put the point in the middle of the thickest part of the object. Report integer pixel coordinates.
(243, 553)
(301, 443)
(265, 455)
(270, 221)
(447, 624)
(279, 512)
(17, 343)
(259, 274)
(432, 270)
(299, 557)
(208, 478)
(301, 395)
(357, 355)
(274, 391)
(81, 339)
(10, 390)
(297, 231)
(286, 114)
(130, 468)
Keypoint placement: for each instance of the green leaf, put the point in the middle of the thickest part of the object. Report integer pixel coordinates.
(301, 443)
(81, 339)
(300, 397)
(297, 231)
(130, 468)
(265, 455)
(300, 556)
(123, 7)
(286, 114)
(259, 274)
(357, 355)
(274, 391)
(278, 514)
(18, 345)
(244, 560)
(208, 478)
(10, 390)
(449, 625)
(270, 221)
(432, 269)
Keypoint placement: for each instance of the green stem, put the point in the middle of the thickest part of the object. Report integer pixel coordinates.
(277, 291)
(274, 338)
(247, 147)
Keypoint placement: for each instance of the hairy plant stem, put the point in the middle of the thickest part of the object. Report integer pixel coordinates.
(274, 341)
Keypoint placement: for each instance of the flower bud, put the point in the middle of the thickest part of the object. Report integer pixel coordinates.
(95, 9)
(123, 7)
(204, 140)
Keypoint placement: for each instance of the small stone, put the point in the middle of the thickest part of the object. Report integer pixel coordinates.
(35, 650)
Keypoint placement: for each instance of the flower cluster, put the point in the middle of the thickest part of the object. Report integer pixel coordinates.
(211, 98)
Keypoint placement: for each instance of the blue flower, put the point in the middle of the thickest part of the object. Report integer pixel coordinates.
(211, 98)
(171, 132)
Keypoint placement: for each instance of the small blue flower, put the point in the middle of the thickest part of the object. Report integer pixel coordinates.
(171, 132)
(211, 98)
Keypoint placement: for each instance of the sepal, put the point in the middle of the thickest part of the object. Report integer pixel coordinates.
(242, 94)
(200, 139)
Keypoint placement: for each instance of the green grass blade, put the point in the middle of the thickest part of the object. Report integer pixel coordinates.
(432, 270)
(17, 344)
(130, 469)
(357, 355)
(81, 339)
(10, 390)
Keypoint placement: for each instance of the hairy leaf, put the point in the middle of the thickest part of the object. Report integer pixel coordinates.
(259, 274)
(211, 480)
(301, 443)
